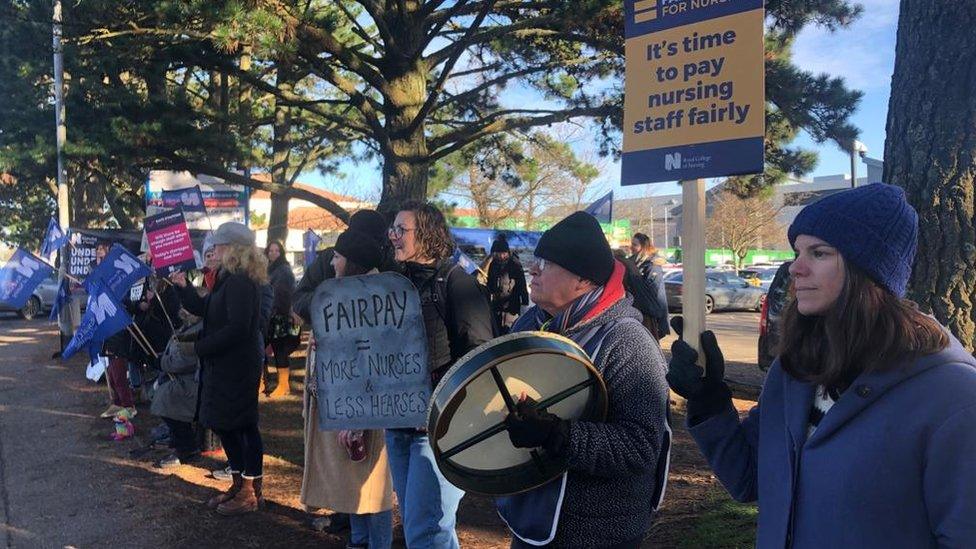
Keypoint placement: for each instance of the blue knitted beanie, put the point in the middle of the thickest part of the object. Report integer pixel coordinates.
(872, 227)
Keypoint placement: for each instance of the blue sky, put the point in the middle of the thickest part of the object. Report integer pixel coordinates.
(862, 54)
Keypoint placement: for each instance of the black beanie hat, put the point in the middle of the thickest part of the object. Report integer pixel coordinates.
(500, 245)
(360, 248)
(370, 222)
(578, 245)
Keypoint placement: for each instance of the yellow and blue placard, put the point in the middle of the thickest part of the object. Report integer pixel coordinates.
(694, 103)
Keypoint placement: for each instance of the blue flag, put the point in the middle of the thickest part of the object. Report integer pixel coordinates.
(21, 276)
(62, 299)
(602, 209)
(117, 272)
(190, 198)
(54, 238)
(464, 261)
(311, 241)
(102, 319)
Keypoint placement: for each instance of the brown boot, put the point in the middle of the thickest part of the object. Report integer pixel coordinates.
(259, 490)
(235, 487)
(244, 502)
(283, 389)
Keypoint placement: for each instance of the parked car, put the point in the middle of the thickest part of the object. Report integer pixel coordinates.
(761, 277)
(772, 309)
(723, 291)
(39, 302)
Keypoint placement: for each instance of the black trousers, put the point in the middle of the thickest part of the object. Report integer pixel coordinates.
(629, 544)
(244, 449)
(183, 436)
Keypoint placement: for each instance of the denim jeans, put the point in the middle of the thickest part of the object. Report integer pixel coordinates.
(428, 502)
(373, 530)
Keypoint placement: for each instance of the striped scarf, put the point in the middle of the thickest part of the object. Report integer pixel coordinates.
(583, 308)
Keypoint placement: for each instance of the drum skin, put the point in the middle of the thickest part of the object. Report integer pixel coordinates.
(468, 410)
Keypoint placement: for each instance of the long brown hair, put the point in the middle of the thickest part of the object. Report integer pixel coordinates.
(868, 329)
(432, 232)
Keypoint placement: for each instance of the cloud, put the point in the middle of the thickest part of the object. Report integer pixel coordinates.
(863, 54)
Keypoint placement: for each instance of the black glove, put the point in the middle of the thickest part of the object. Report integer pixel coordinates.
(530, 427)
(706, 395)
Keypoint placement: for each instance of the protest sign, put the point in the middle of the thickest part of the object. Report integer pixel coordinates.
(118, 271)
(169, 243)
(21, 276)
(371, 364)
(103, 317)
(694, 104)
(222, 201)
(189, 199)
(81, 254)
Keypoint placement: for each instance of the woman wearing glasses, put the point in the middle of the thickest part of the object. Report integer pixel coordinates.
(457, 318)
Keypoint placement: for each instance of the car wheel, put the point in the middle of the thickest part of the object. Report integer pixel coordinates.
(31, 309)
(709, 304)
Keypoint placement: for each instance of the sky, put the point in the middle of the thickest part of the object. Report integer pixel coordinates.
(863, 54)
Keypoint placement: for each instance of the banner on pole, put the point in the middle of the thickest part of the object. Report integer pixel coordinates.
(169, 243)
(602, 208)
(54, 238)
(694, 103)
(21, 276)
(117, 272)
(311, 242)
(103, 317)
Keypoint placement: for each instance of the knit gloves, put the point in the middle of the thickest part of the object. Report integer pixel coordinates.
(187, 344)
(530, 427)
(707, 395)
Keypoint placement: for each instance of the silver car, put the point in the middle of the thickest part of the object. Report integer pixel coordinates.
(723, 291)
(39, 302)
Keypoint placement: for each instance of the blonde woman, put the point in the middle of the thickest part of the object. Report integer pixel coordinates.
(229, 347)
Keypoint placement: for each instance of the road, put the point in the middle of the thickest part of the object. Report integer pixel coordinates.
(738, 336)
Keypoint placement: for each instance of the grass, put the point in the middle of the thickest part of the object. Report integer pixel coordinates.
(723, 523)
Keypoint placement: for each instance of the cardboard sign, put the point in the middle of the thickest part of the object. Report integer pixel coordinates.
(371, 361)
(81, 254)
(169, 243)
(694, 103)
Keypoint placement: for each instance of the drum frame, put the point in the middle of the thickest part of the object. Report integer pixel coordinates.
(499, 482)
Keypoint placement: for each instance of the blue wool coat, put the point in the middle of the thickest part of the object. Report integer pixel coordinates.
(892, 464)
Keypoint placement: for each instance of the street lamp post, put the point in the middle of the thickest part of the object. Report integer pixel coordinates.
(857, 149)
(667, 209)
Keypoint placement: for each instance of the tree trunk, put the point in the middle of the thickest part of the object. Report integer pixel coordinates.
(930, 151)
(280, 147)
(405, 157)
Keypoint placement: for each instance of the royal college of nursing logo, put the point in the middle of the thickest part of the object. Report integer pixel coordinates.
(672, 161)
(645, 10)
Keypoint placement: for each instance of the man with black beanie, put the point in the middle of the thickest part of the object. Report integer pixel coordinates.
(506, 284)
(616, 468)
(366, 223)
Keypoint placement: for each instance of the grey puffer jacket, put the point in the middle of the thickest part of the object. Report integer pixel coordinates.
(613, 465)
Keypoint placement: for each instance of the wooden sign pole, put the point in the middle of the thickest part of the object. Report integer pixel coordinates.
(693, 261)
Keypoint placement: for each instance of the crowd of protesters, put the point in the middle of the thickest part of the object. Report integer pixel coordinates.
(863, 435)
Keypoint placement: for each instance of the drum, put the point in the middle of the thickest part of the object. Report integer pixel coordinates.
(469, 405)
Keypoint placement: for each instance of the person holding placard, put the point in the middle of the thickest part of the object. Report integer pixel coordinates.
(347, 471)
(865, 430)
(457, 318)
(231, 360)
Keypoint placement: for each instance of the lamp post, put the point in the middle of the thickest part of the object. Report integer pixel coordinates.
(857, 149)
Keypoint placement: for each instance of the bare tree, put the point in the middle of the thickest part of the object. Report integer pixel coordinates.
(742, 224)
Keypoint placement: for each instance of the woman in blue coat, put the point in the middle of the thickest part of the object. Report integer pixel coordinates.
(865, 432)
